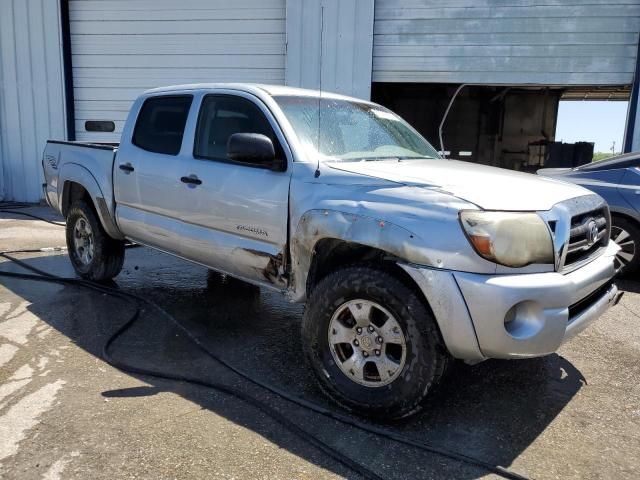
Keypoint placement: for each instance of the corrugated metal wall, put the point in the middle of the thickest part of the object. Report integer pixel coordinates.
(32, 95)
(121, 48)
(346, 45)
(551, 42)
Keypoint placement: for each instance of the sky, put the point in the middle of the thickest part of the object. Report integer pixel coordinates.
(601, 122)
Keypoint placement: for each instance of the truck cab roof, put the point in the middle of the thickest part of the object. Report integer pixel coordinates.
(254, 88)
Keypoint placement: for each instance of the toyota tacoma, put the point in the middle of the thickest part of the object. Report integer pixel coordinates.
(405, 260)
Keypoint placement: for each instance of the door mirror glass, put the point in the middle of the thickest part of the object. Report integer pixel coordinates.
(253, 149)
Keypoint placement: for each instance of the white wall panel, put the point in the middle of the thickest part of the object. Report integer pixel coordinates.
(347, 42)
(32, 95)
(553, 42)
(121, 48)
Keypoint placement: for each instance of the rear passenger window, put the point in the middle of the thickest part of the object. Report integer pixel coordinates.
(223, 115)
(160, 124)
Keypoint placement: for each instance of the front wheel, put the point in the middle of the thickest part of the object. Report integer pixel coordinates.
(372, 343)
(93, 254)
(627, 236)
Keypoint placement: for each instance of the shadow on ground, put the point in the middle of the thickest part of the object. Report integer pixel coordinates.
(492, 411)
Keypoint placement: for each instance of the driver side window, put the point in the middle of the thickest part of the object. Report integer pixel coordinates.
(223, 115)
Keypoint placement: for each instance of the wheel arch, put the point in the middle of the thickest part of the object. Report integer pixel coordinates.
(626, 216)
(323, 235)
(329, 254)
(80, 184)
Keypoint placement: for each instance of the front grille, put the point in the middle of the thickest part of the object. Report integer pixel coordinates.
(588, 233)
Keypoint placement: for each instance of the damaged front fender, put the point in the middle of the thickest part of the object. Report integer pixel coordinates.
(320, 224)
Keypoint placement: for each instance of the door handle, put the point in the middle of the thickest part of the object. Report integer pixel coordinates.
(192, 180)
(127, 167)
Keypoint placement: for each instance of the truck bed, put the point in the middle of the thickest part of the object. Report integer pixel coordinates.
(79, 160)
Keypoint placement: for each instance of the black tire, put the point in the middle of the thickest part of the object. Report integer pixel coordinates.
(629, 245)
(426, 357)
(107, 253)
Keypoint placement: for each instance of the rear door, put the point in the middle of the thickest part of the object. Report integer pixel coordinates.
(235, 215)
(147, 173)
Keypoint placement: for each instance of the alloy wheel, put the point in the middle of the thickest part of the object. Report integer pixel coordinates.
(367, 343)
(83, 241)
(627, 246)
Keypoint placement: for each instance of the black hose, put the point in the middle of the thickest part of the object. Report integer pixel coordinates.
(225, 389)
(345, 419)
(30, 215)
(17, 205)
(36, 250)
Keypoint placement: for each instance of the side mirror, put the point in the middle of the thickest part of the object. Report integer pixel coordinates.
(254, 149)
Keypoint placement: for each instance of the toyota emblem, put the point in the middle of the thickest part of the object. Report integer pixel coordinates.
(592, 232)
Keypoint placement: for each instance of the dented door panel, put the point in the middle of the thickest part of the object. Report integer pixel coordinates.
(235, 219)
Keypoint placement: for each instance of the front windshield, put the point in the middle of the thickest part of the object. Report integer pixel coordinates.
(352, 131)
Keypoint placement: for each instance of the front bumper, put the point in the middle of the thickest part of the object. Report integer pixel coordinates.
(516, 316)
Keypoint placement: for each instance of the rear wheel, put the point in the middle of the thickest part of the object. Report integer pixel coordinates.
(627, 235)
(372, 343)
(93, 254)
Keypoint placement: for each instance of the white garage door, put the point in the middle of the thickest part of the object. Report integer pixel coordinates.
(123, 47)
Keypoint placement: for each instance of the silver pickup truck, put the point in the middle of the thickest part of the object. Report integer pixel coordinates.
(405, 260)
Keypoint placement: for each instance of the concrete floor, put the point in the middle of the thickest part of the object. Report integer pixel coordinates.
(65, 413)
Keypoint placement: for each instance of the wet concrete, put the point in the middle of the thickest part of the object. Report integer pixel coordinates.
(65, 413)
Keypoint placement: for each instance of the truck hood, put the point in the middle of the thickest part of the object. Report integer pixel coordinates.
(489, 188)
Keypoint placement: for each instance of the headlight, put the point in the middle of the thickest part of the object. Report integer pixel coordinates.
(508, 238)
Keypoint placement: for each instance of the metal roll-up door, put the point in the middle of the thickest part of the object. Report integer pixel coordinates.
(122, 47)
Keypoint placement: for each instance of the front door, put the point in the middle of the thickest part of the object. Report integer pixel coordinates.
(234, 215)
